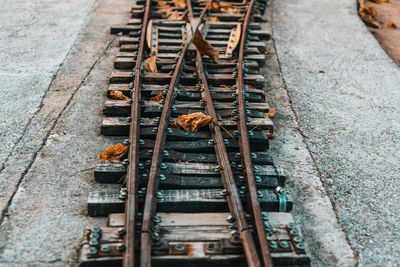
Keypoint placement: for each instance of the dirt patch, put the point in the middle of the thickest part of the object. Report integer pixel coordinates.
(387, 16)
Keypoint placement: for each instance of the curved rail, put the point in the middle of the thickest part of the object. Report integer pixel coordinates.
(244, 144)
(132, 178)
(154, 174)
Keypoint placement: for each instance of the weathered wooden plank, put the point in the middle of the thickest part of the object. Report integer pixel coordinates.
(114, 172)
(185, 200)
(189, 79)
(119, 126)
(153, 109)
(186, 92)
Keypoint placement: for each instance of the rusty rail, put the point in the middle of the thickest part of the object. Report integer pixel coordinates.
(154, 174)
(132, 178)
(244, 145)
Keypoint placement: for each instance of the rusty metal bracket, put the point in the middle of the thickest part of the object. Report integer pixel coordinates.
(233, 41)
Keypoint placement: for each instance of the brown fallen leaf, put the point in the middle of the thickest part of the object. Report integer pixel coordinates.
(229, 10)
(157, 97)
(165, 9)
(175, 16)
(214, 7)
(150, 64)
(225, 4)
(162, 3)
(179, 3)
(271, 113)
(226, 86)
(368, 14)
(192, 122)
(115, 152)
(269, 134)
(204, 47)
(118, 95)
(268, 51)
(215, 19)
(392, 25)
(380, 1)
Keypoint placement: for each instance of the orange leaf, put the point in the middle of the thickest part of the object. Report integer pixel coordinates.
(215, 19)
(229, 10)
(214, 7)
(192, 122)
(204, 47)
(271, 113)
(118, 95)
(270, 135)
(392, 25)
(157, 97)
(175, 16)
(268, 51)
(150, 64)
(165, 9)
(162, 3)
(115, 152)
(179, 3)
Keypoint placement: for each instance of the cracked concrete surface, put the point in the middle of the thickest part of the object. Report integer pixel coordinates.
(56, 125)
(345, 93)
(49, 127)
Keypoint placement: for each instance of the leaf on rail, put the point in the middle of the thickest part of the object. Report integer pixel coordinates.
(204, 47)
(118, 95)
(157, 97)
(115, 152)
(150, 64)
(271, 113)
(192, 122)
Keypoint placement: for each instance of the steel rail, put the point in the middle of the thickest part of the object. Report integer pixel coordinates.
(233, 198)
(244, 145)
(132, 178)
(150, 203)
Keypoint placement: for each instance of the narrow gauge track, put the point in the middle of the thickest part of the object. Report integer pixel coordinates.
(191, 198)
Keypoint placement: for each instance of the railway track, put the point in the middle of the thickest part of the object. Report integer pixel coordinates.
(210, 197)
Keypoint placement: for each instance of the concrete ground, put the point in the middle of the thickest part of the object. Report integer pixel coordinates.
(336, 128)
(345, 93)
(59, 56)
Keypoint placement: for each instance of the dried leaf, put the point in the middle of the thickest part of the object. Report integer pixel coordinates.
(192, 122)
(215, 19)
(150, 64)
(368, 14)
(379, 1)
(229, 10)
(175, 16)
(271, 113)
(157, 97)
(225, 4)
(204, 47)
(268, 51)
(162, 3)
(270, 135)
(165, 9)
(263, 19)
(118, 95)
(115, 152)
(226, 86)
(179, 3)
(392, 25)
(214, 7)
